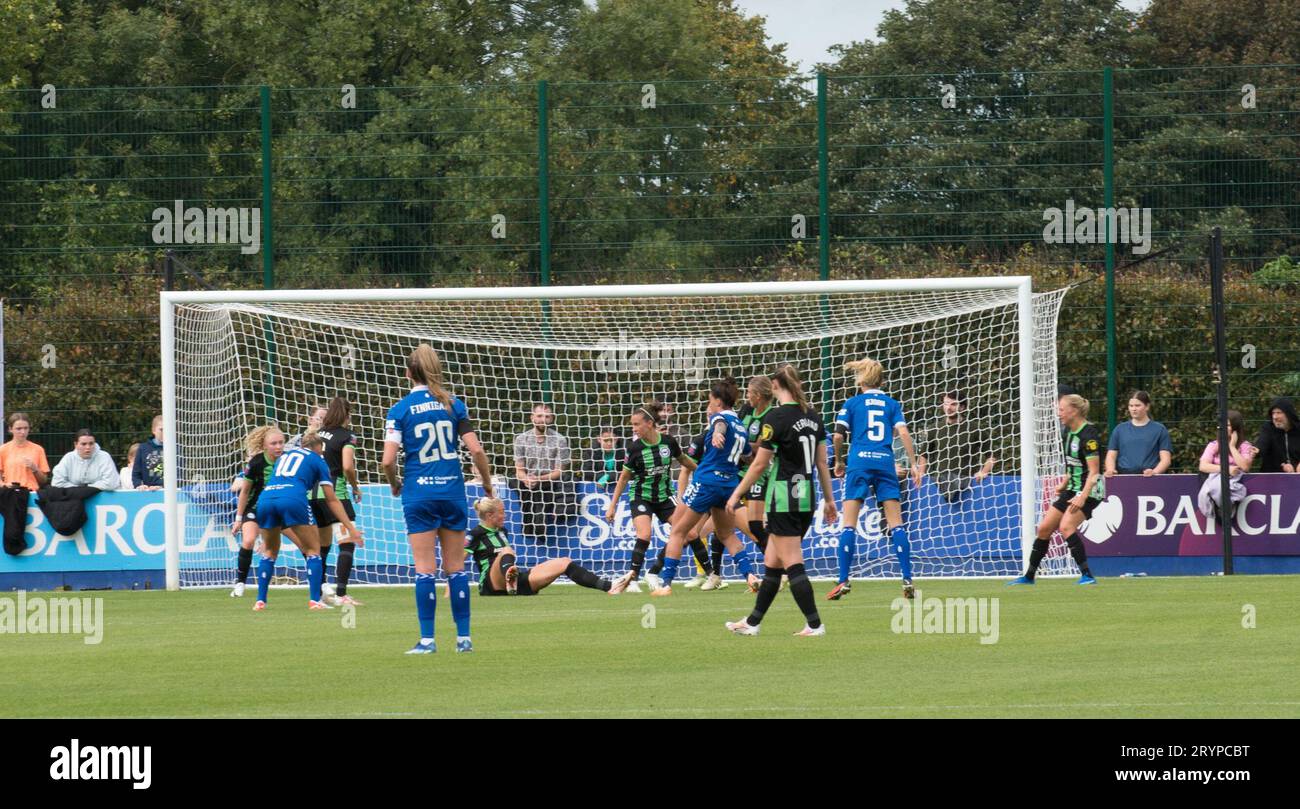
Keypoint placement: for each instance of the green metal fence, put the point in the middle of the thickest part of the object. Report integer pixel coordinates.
(568, 182)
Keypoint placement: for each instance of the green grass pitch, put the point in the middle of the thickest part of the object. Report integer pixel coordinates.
(1149, 647)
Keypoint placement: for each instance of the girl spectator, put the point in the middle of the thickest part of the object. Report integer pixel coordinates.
(125, 472)
(1241, 454)
(23, 463)
(1139, 446)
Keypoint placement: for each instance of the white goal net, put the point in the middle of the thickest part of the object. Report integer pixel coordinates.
(236, 360)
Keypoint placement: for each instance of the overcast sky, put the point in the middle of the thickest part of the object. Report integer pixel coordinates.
(810, 27)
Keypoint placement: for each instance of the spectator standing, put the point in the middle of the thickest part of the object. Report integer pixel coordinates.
(22, 462)
(1279, 438)
(147, 471)
(953, 451)
(87, 465)
(542, 457)
(124, 474)
(1139, 446)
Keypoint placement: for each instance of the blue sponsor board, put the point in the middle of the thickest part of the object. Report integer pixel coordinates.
(121, 544)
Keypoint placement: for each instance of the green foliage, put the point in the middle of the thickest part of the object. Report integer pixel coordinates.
(1280, 273)
(706, 183)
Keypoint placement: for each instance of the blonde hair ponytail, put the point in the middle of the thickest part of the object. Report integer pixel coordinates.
(867, 373)
(425, 367)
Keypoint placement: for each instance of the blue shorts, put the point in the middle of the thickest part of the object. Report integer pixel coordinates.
(273, 512)
(859, 482)
(430, 515)
(700, 497)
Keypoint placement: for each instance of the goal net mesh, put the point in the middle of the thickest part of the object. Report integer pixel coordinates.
(592, 361)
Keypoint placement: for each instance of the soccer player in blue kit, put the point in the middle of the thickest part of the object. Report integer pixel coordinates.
(870, 420)
(429, 424)
(711, 483)
(283, 507)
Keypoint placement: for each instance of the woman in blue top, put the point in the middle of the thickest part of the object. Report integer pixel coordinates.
(869, 420)
(1139, 446)
(428, 423)
(711, 484)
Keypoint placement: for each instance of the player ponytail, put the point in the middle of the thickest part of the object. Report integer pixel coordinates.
(255, 442)
(725, 391)
(337, 413)
(487, 506)
(652, 410)
(1080, 404)
(761, 387)
(867, 373)
(425, 368)
(311, 440)
(787, 376)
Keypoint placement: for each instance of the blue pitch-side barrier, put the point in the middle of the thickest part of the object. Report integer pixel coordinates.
(121, 545)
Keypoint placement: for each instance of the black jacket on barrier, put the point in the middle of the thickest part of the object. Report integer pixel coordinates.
(65, 508)
(13, 507)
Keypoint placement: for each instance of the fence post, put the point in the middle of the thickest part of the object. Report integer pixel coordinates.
(824, 238)
(268, 253)
(1108, 191)
(268, 244)
(823, 180)
(1218, 305)
(544, 223)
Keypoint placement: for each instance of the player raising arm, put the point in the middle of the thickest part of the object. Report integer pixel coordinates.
(283, 507)
(869, 420)
(428, 423)
(793, 435)
(264, 445)
(495, 560)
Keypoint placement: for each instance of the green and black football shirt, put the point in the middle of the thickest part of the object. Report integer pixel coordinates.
(1080, 445)
(793, 435)
(483, 544)
(651, 467)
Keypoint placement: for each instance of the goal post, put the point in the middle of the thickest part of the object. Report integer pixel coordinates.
(231, 359)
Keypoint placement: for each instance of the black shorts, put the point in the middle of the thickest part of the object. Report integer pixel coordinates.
(789, 523)
(1062, 504)
(522, 588)
(250, 511)
(663, 509)
(756, 493)
(325, 517)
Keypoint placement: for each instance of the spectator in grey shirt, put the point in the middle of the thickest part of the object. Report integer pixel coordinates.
(542, 459)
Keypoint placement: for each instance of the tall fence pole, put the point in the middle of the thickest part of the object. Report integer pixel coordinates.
(268, 252)
(268, 244)
(1108, 192)
(824, 238)
(823, 184)
(544, 222)
(1219, 306)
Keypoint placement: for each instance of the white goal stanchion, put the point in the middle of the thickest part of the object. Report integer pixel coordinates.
(234, 360)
